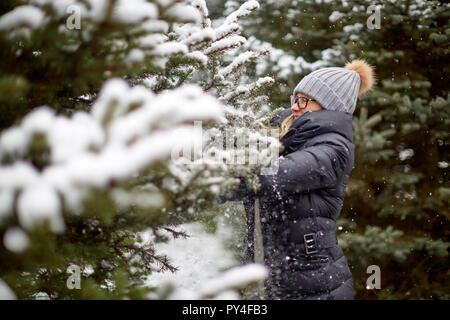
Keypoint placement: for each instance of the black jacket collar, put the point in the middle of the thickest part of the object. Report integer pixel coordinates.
(312, 124)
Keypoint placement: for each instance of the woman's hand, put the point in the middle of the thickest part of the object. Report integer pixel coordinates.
(236, 194)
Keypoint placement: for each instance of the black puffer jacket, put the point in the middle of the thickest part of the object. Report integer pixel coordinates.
(304, 199)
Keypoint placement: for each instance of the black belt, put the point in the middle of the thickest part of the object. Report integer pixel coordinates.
(314, 242)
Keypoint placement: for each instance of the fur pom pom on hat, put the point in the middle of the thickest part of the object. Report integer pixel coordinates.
(338, 88)
(365, 72)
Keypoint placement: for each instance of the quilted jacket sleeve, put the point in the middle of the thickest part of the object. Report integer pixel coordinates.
(318, 166)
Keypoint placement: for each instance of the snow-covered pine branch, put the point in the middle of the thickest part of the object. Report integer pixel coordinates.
(225, 285)
(243, 90)
(126, 140)
(225, 30)
(244, 10)
(196, 38)
(170, 48)
(233, 280)
(223, 77)
(227, 43)
(240, 61)
(107, 171)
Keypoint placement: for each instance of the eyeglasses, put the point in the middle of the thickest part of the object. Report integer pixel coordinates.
(302, 102)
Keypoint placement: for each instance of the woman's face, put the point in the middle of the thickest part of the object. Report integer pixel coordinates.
(297, 111)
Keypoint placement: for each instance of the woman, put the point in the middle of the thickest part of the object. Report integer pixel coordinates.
(299, 205)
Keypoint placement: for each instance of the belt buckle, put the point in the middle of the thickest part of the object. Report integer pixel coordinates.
(310, 243)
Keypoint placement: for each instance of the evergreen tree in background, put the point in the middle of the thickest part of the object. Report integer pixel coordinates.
(395, 213)
(91, 115)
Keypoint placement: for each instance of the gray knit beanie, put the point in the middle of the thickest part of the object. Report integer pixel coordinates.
(338, 88)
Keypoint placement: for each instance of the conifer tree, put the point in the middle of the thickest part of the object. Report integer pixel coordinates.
(93, 110)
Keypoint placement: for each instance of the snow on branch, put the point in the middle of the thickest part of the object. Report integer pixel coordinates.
(27, 15)
(123, 11)
(225, 44)
(181, 12)
(235, 278)
(200, 274)
(261, 82)
(226, 30)
(170, 48)
(198, 56)
(5, 292)
(196, 38)
(200, 5)
(240, 61)
(134, 11)
(243, 59)
(244, 10)
(128, 130)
